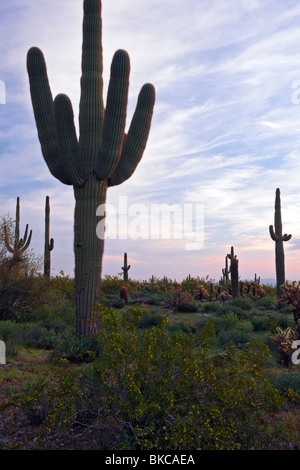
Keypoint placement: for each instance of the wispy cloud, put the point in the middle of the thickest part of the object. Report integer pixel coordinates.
(225, 130)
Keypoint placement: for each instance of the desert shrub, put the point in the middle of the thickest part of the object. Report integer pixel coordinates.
(58, 316)
(38, 337)
(177, 298)
(238, 311)
(240, 335)
(8, 328)
(266, 301)
(245, 303)
(228, 321)
(149, 319)
(259, 324)
(78, 350)
(155, 299)
(283, 321)
(18, 296)
(51, 402)
(288, 384)
(179, 327)
(212, 307)
(206, 332)
(65, 285)
(118, 303)
(154, 390)
(271, 323)
(188, 307)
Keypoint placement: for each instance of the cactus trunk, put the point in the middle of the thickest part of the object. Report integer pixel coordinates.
(49, 244)
(125, 268)
(88, 249)
(277, 236)
(234, 270)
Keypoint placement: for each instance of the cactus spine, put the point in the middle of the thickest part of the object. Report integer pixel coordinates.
(49, 245)
(125, 268)
(19, 245)
(234, 270)
(278, 238)
(104, 155)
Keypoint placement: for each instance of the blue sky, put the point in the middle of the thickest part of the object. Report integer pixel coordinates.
(225, 132)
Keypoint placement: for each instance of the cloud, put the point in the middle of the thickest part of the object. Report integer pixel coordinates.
(225, 129)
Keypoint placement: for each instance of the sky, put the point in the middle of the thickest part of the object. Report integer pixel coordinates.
(225, 132)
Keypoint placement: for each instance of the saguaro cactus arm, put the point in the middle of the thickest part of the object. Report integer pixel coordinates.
(42, 103)
(136, 139)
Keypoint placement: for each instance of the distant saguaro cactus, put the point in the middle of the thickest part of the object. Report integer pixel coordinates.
(104, 155)
(20, 245)
(226, 271)
(278, 238)
(49, 244)
(234, 270)
(125, 268)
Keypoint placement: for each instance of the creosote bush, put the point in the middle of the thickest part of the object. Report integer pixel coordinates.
(152, 390)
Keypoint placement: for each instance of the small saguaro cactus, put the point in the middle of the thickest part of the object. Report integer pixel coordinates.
(103, 155)
(125, 268)
(278, 238)
(234, 270)
(20, 245)
(49, 244)
(226, 271)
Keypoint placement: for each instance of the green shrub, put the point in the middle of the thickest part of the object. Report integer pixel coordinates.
(57, 316)
(239, 335)
(65, 285)
(228, 321)
(154, 390)
(245, 303)
(239, 312)
(149, 319)
(118, 303)
(265, 301)
(212, 307)
(283, 321)
(188, 307)
(78, 350)
(38, 337)
(207, 333)
(259, 324)
(284, 382)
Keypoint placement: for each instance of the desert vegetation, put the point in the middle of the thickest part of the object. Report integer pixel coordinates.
(177, 366)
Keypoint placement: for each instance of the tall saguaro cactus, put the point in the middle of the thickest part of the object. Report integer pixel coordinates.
(103, 156)
(278, 238)
(20, 245)
(234, 270)
(49, 244)
(125, 268)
